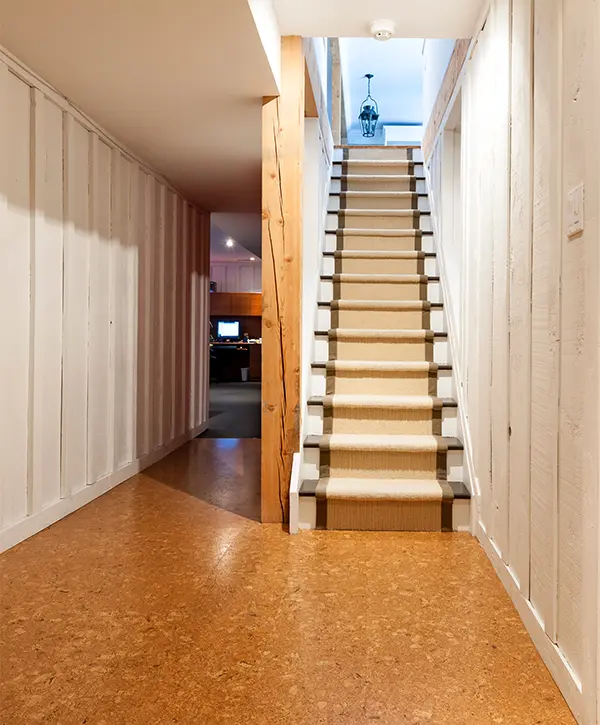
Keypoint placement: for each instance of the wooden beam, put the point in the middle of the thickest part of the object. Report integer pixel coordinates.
(283, 146)
(336, 91)
(311, 109)
(457, 60)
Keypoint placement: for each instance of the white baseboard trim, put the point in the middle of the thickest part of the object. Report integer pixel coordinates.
(295, 493)
(559, 668)
(37, 522)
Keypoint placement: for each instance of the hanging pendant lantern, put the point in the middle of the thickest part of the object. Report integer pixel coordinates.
(369, 111)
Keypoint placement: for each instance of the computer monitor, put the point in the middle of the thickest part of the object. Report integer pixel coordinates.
(228, 330)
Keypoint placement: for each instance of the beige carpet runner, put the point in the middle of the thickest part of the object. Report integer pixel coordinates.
(383, 458)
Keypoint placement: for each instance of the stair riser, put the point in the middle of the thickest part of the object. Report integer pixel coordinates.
(376, 515)
(407, 203)
(367, 265)
(380, 320)
(327, 293)
(388, 351)
(382, 384)
(324, 383)
(344, 220)
(373, 243)
(379, 266)
(381, 464)
(397, 422)
(461, 514)
(451, 467)
(382, 183)
(375, 153)
(408, 291)
(439, 350)
(342, 168)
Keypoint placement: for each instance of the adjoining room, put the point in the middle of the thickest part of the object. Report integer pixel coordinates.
(235, 327)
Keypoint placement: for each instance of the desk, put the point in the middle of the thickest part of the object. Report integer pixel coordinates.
(228, 359)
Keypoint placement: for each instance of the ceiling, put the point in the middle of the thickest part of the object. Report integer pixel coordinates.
(221, 252)
(351, 18)
(179, 82)
(244, 229)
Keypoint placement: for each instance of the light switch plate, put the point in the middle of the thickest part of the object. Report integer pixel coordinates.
(575, 211)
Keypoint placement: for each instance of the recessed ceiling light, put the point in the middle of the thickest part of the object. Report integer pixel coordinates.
(230, 242)
(252, 259)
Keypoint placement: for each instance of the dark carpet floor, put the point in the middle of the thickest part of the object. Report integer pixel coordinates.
(234, 411)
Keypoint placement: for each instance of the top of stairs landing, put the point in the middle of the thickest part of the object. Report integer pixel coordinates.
(376, 146)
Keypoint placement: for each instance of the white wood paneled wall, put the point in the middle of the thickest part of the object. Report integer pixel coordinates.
(526, 342)
(237, 276)
(103, 310)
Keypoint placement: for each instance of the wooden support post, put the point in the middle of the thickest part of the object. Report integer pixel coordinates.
(336, 91)
(283, 147)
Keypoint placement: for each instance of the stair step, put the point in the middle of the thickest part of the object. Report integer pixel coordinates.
(348, 211)
(409, 367)
(389, 335)
(374, 305)
(308, 487)
(417, 443)
(372, 401)
(383, 366)
(378, 177)
(375, 254)
(374, 194)
(387, 147)
(349, 232)
(376, 278)
(388, 163)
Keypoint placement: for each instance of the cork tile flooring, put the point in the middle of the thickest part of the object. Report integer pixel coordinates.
(166, 602)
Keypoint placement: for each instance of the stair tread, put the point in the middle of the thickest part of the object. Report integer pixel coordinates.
(375, 278)
(378, 194)
(387, 147)
(354, 333)
(378, 162)
(381, 366)
(379, 254)
(382, 401)
(379, 177)
(379, 212)
(382, 305)
(349, 441)
(394, 489)
(308, 487)
(352, 232)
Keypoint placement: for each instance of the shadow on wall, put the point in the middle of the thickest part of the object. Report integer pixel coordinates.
(105, 365)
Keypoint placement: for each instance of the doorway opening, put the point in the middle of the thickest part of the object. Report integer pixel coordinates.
(235, 327)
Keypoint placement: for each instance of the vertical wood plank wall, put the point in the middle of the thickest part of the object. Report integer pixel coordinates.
(528, 358)
(520, 233)
(98, 376)
(283, 147)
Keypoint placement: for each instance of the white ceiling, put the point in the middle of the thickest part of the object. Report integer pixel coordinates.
(180, 82)
(244, 229)
(351, 18)
(220, 252)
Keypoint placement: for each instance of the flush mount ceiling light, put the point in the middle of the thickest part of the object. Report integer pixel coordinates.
(229, 243)
(369, 112)
(252, 259)
(383, 29)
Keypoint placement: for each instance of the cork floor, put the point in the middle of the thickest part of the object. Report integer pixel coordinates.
(165, 601)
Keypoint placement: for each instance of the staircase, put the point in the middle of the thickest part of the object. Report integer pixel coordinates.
(382, 451)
